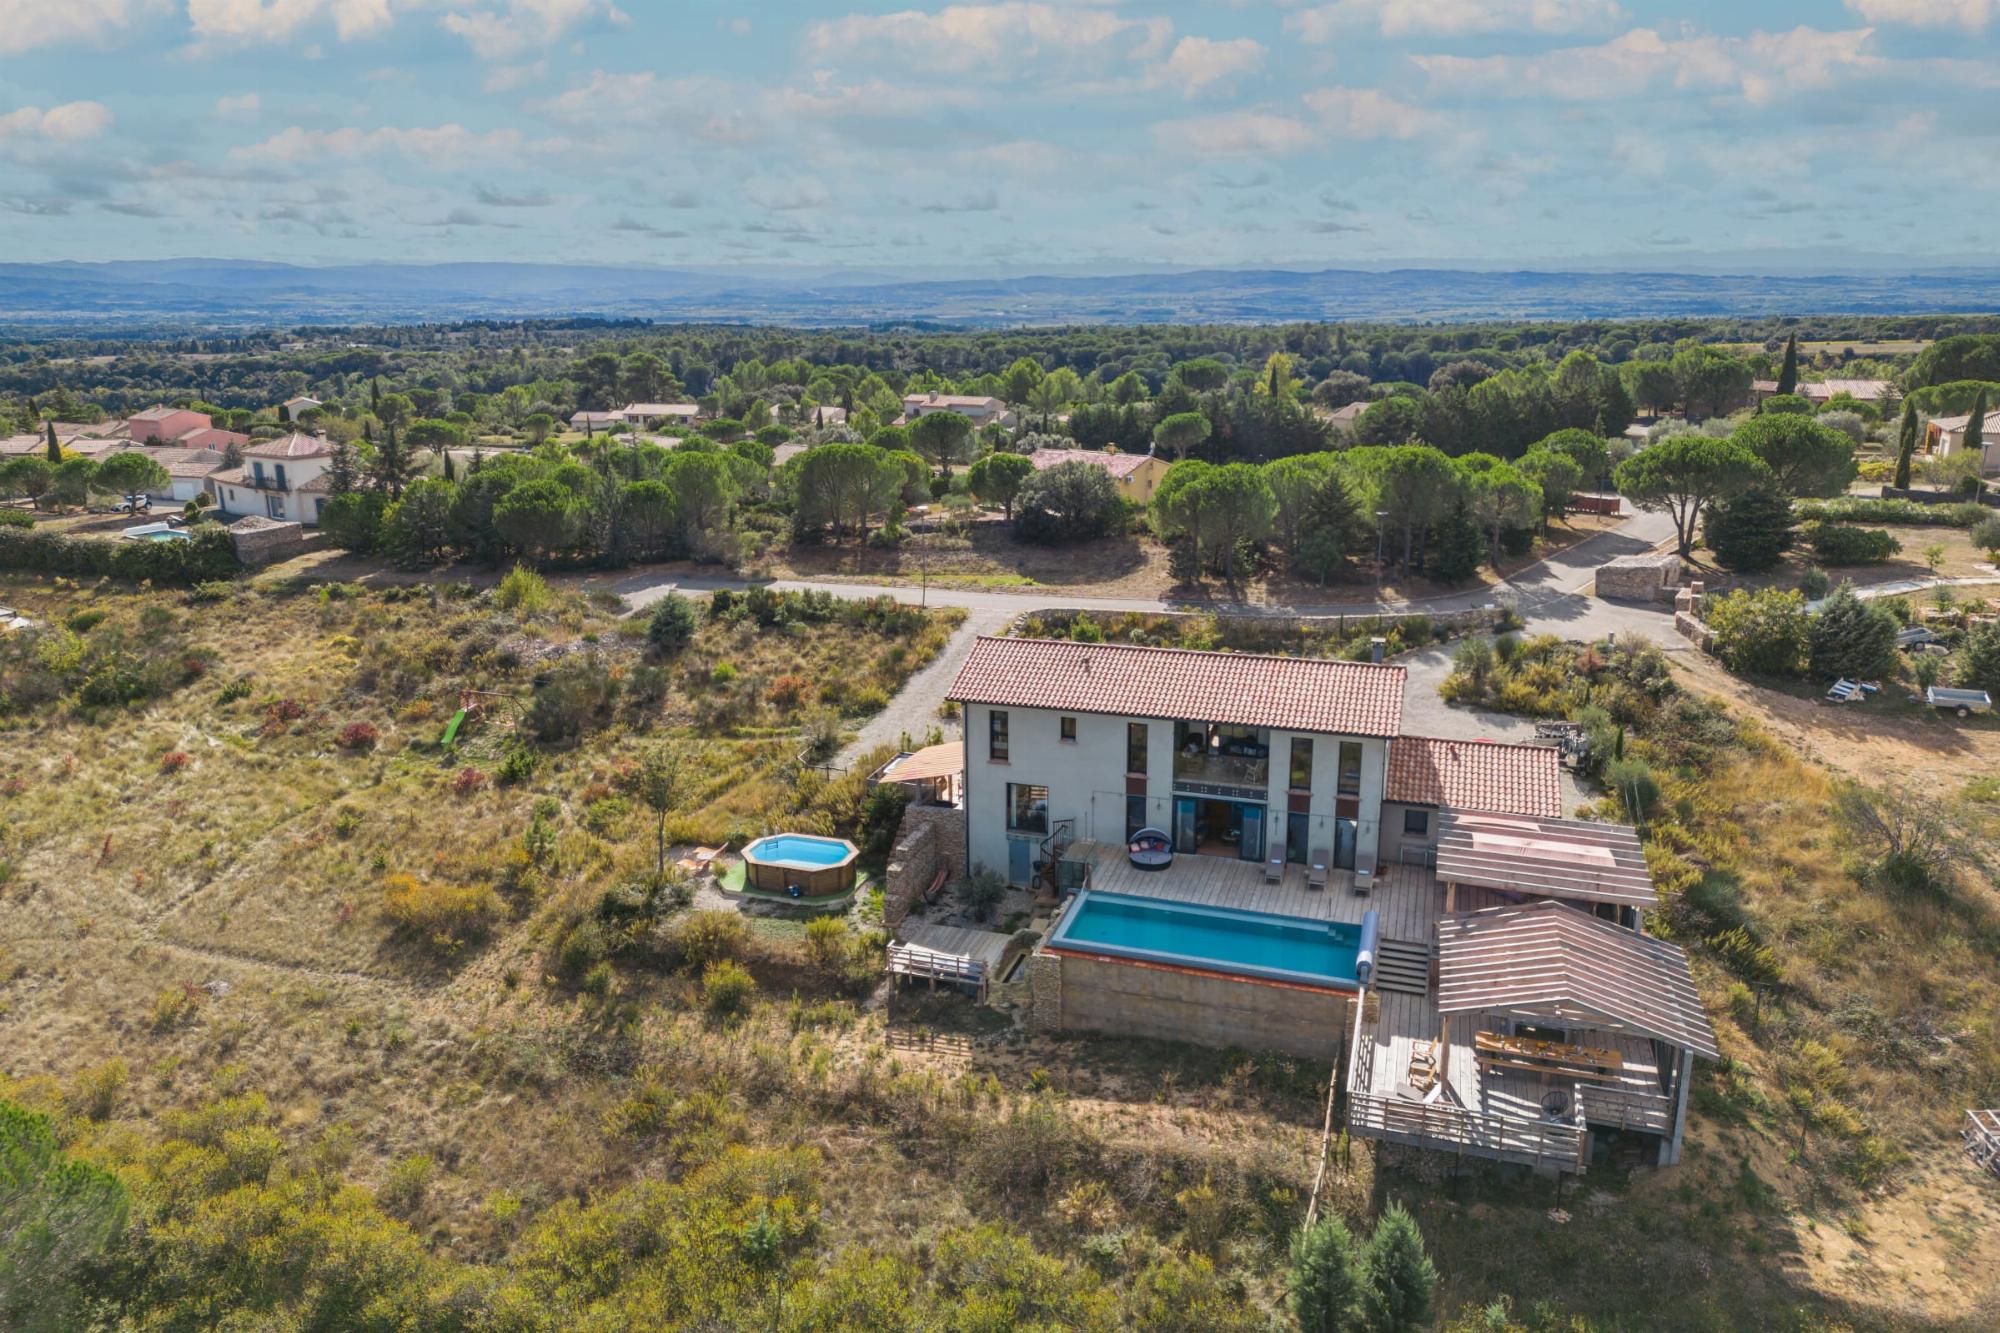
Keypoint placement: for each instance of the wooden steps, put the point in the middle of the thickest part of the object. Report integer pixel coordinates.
(1402, 966)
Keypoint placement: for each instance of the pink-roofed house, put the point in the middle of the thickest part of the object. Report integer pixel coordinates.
(1137, 475)
(165, 425)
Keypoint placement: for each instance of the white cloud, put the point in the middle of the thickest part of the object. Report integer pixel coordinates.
(1759, 67)
(251, 20)
(508, 30)
(440, 146)
(32, 24)
(792, 194)
(1000, 38)
(513, 78)
(244, 107)
(72, 122)
(1234, 134)
(1368, 113)
(706, 108)
(1199, 63)
(1969, 14)
(1452, 18)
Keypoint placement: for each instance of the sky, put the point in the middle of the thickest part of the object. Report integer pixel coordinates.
(1028, 135)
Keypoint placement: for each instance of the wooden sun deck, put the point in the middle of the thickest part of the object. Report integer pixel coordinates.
(1405, 899)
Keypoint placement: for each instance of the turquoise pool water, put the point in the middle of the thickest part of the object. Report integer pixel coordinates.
(1253, 943)
(799, 849)
(155, 532)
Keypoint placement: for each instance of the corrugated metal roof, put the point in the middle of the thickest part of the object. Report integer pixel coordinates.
(1294, 693)
(1546, 959)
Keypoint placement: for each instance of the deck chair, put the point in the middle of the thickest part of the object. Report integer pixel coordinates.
(1364, 876)
(1274, 867)
(1423, 1074)
(1316, 869)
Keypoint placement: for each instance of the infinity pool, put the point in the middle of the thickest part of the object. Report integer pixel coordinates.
(1218, 939)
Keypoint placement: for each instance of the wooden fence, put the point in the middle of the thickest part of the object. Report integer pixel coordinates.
(913, 960)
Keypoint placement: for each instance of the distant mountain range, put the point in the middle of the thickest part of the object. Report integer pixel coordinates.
(233, 294)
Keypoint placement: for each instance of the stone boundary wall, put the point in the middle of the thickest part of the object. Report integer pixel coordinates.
(1481, 617)
(259, 541)
(1694, 631)
(1640, 578)
(928, 835)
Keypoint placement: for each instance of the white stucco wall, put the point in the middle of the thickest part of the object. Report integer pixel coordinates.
(1086, 780)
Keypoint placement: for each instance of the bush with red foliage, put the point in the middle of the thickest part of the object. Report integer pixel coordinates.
(357, 736)
(173, 761)
(468, 781)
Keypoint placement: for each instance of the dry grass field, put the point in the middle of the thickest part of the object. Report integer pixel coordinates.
(249, 953)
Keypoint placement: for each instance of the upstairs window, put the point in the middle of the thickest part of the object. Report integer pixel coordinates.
(1135, 748)
(996, 736)
(1302, 763)
(1069, 730)
(1350, 768)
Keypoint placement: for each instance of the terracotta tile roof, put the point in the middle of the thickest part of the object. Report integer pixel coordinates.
(211, 437)
(295, 445)
(1295, 693)
(1862, 390)
(1475, 775)
(1118, 465)
(235, 476)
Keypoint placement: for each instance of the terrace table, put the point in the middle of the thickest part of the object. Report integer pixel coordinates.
(1553, 1057)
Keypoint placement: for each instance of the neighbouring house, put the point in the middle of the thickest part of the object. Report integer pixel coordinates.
(1881, 393)
(294, 406)
(187, 470)
(213, 437)
(1945, 436)
(1137, 475)
(825, 418)
(649, 414)
(164, 425)
(979, 411)
(283, 479)
(1209, 833)
(1346, 418)
(14, 446)
(592, 422)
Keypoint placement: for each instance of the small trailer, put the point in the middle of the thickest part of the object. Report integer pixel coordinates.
(1962, 702)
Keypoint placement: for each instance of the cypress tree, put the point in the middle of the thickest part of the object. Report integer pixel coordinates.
(1325, 1277)
(1397, 1277)
(342, 471)
(1788, 377)
(55, 450)
(1906, 445)
(1975, 428)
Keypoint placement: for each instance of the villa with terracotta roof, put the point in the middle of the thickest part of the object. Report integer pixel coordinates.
(1242, 850)
(1137, 475)
(980, 411)
(283, 479)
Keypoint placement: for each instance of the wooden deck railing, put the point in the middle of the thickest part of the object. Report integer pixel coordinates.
(1443, 1127)
(1625, 1108)
(1982, 1138)
(913, 960)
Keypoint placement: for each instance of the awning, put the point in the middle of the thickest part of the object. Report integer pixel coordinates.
(1547, 960)
(933, 761)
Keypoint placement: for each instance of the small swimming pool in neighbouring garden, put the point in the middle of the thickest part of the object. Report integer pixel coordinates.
(155, 532)
(1252, 944)
(801, 864)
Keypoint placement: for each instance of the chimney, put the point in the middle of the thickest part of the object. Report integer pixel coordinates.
(1378, 648)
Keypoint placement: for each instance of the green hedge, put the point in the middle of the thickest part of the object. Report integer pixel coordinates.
(1854, 509)
(209, 555)
(1845, 544)
(15, 518)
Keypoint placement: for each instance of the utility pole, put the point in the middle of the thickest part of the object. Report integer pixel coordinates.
(1380, 515)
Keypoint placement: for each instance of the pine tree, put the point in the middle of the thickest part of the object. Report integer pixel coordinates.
(1852, 639)
(1397, 1277)
(1457, 546)
(1325, 1277)
(1330, 532)
(55, 449)
(343, 470)
(1906, 445)
(391, 468)
(1788, 376)
(1749, 531)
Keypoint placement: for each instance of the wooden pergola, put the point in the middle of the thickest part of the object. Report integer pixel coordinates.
(1547, 960)
(1574, 859)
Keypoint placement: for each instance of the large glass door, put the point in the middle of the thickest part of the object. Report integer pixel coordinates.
(1186, 824)
(1343, 843)
(1252, 848)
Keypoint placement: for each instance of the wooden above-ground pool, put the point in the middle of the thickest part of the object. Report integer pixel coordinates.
(801, 864)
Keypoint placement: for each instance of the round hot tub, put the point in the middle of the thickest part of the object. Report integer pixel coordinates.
(802, 865)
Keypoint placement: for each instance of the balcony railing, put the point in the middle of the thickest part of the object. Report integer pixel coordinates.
(1223, 770)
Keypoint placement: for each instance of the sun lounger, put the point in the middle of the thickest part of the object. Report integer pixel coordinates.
(1274, 868)
(1316, 871)
(1364, 876)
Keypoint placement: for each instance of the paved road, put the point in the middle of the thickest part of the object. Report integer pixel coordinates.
(1551, 597)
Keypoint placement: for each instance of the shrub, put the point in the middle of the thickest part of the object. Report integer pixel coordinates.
(357, 736)
(445, 916)
(981, 892)
(711, 936)
(14, 518)
(1855, 509)
(1633, 783)
(582, 947)
(1845, 544)
(726, 987)
(1977, 663)
(518, 767)
(208, 555)
(402, 1190)
(573, 698)
(1761, 633)
(524, 592)
(173, 761)
(1071, 502)
(467, 781)
(1986, 535)
(672, 624)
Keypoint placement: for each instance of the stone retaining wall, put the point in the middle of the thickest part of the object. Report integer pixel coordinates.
(1482, 617)
(928, 835)
(259, 541)
(1694, 631)
(1174, 1004)
(1640, 578)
